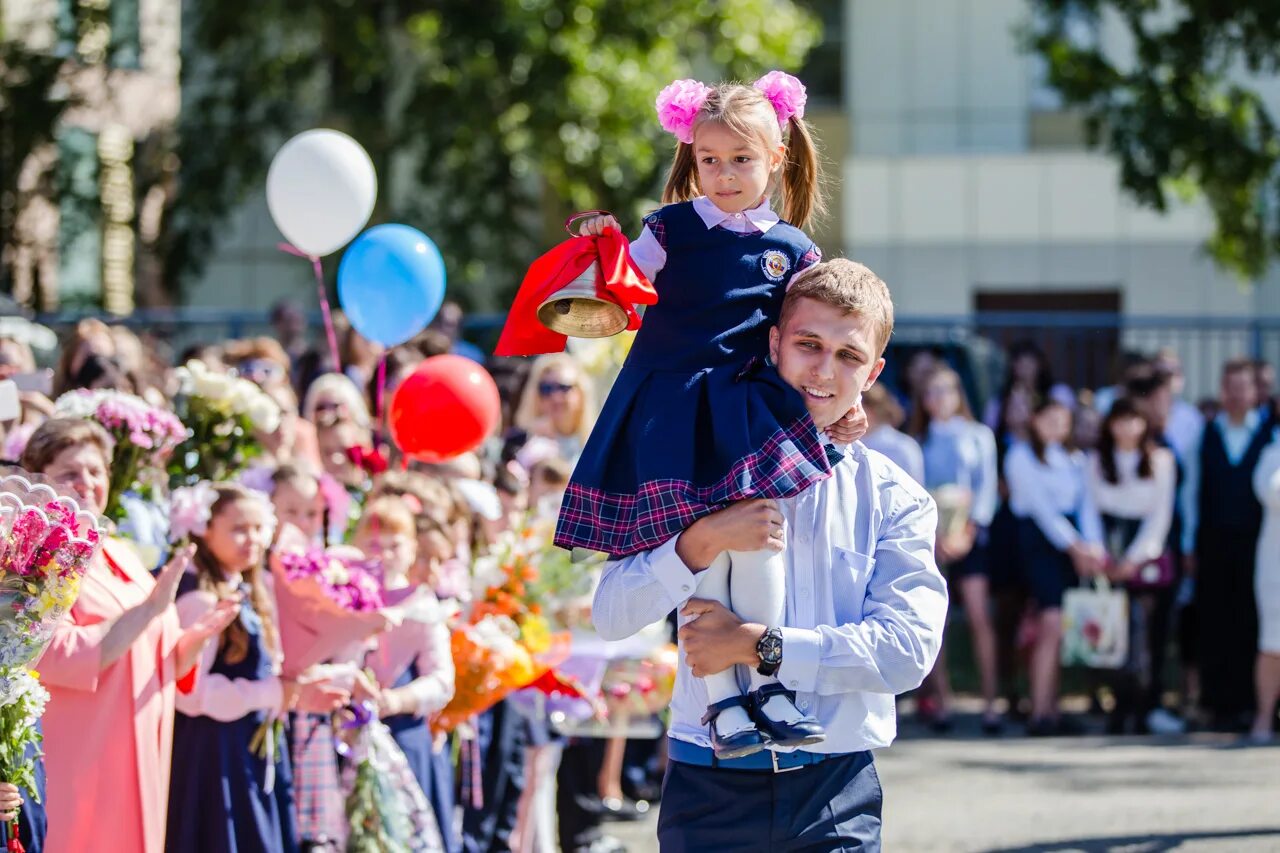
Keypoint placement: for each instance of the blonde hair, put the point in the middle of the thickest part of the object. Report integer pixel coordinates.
(54, 436)
(336, 385)
(747, 112)
(527, 412)
(388, 513)
(848, 285)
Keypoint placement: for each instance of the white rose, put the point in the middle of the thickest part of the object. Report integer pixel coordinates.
(264, 414)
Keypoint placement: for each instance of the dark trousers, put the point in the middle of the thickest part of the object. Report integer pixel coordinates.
(830, 806)
(1228, 621)
(502, 734)
(577, 794)
(1139, 685)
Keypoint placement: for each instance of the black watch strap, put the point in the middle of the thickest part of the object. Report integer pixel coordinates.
(769, 648)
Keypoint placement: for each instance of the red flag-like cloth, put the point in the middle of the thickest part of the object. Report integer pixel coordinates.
(620, 282)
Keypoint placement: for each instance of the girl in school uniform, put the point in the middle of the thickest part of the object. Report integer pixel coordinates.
(1059, 539)
(1133, 482)
(412, 663)
(960, 456)
(226, 796)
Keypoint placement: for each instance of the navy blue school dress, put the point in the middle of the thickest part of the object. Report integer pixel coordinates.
(431, 767)
(696, 419)
(217, 801)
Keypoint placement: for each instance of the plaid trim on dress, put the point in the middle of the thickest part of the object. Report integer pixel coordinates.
(318, 797)
(623, 524)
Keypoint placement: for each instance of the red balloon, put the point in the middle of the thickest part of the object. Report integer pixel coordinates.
(445, 408)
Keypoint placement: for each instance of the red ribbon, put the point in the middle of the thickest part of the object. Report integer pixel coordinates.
(620, 282)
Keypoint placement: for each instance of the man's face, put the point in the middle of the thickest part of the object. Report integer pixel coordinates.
(1239, 392)
(829, 356)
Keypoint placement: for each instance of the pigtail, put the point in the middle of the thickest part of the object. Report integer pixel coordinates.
(801, 176)
(682, 179)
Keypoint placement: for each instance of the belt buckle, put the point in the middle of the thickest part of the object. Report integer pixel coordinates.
(773, 756)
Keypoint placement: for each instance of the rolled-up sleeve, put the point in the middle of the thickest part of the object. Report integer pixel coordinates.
(895, 645)
(637, 591)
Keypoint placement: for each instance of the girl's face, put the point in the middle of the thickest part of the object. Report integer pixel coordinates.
(1127, 432)
(1053, 424)
(559, 395)
(1026, 368)
(394, 550)
(733, 171)
(942, 398)
(237, 535)
(82, 470)
(302, 507)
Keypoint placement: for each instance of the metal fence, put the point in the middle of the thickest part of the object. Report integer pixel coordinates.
(1082, 347)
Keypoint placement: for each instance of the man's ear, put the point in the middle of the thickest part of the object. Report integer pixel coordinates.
(874, 375)
(775, 341)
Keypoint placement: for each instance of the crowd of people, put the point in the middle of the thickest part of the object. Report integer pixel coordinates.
(1130, 483)
(169, 661)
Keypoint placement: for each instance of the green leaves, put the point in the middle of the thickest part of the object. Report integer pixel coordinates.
(486, 119)
(1179, 112)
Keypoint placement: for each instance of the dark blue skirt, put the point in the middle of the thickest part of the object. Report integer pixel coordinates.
(1048, 572)
(216, 799)
(433, 768)
(672, 446)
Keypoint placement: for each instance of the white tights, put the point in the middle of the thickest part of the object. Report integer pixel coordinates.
(753, 584)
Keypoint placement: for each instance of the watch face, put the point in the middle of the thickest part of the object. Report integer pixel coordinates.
(770, 648)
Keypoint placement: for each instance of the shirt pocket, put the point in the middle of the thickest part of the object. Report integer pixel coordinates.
(849, 578)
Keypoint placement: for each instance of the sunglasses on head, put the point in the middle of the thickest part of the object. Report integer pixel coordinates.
(547, 389)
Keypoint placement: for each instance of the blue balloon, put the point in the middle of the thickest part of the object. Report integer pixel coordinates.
(391, 283)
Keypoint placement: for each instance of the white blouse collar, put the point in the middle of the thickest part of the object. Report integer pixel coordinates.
(761, 216)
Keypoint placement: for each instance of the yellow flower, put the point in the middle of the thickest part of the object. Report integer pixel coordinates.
(535, 634)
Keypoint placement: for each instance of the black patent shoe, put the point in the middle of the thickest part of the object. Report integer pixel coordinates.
(805, 732)
(739, 744)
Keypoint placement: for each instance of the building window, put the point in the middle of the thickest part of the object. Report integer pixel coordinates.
(80, 219)
(823, 72)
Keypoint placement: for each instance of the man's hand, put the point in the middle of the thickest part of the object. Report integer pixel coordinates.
(753, 525)
(717, 639)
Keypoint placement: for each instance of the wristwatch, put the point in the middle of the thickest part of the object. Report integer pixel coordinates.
(769, 648)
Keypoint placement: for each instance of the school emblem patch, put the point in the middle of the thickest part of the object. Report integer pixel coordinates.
(775, 265)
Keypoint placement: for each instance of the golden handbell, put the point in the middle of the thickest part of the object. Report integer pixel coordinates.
(577, 311)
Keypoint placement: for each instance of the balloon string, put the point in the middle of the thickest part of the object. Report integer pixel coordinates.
(382, 389)
(330, 333)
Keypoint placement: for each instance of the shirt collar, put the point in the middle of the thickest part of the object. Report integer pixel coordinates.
(1251, 419)
(761, 216)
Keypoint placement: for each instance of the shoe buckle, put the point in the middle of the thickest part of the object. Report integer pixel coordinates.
(773, 756)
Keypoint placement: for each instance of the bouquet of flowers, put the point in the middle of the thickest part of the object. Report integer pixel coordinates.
(224, 415)
(387, 811)
(145, 436)
(510, 640)
(46, 545)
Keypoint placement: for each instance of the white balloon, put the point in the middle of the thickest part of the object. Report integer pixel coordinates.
(321, 189)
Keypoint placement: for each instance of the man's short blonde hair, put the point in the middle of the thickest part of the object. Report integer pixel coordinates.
(848, 285)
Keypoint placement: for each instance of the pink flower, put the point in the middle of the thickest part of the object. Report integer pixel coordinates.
(190, 510)
(786, 93)
(678, 107)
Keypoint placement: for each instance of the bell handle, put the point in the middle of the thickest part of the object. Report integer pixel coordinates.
(568, 223)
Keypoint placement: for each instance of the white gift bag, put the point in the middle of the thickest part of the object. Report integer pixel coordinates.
(1095, 626)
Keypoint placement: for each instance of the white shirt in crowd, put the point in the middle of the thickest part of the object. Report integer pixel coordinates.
(901, 448)
(1149, 499)
(1047, 492)
(650, 257)
(1235, 439)
(961, 452)
(866, 603)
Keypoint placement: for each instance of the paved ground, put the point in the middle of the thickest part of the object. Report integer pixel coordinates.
(1016, 795)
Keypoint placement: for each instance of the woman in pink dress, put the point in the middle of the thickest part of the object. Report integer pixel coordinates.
(112, 670)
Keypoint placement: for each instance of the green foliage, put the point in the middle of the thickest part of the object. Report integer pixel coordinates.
(1179, 114)
(485, 118)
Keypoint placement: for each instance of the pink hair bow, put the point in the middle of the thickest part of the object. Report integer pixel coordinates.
(678, 106)
(786, 93)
